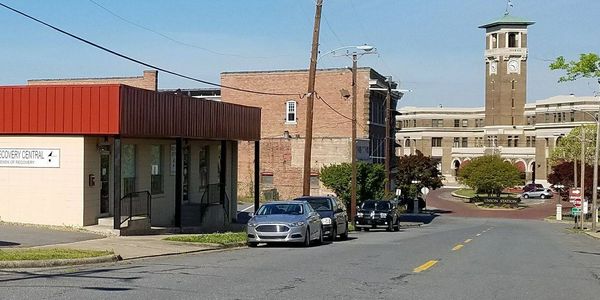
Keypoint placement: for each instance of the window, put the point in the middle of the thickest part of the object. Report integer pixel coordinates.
(266, 178)
(290, 112)
(478, 122)
(456, 142)
(315, 183)
(478, 141)
(512, 84)
(513, 40)
(513, 102)
(128, 168)
(494, 41)
(465, 142)
(437, 123)
(156, 179)
(436, 142)
(572, 116)
(456, 123)
(407, 143)
(465, 123)
(415, 123)
(492, 141)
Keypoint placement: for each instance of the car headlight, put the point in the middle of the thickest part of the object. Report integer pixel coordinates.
(252, 224)
(360, 215)
(326, 221)
(297, 224)
(382, 215)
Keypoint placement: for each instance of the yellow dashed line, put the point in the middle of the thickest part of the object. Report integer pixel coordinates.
(467, 241)
(457, 247)
(425, 266)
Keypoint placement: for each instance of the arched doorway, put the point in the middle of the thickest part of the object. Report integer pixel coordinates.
(456, 167)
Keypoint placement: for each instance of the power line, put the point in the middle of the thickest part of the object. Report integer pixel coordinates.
(171, 38)
(144, 63)
(337, 111)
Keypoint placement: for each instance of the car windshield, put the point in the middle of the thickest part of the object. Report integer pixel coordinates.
(319, 204)
(368, 205)
(383, 205)
(280, 209)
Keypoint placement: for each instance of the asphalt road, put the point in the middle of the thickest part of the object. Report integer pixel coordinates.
(498, 259)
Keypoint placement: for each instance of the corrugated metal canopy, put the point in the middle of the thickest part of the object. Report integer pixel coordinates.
(122, 110)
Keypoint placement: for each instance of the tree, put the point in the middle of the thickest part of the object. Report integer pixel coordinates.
(490, 174)
(370, 180)
(588, 66)
(562, 173)
(417, 167)
(569, 147)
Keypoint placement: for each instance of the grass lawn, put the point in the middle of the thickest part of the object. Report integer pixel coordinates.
(44, 254)
(213, 238)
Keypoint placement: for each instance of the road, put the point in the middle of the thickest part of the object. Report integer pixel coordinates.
(450, 258)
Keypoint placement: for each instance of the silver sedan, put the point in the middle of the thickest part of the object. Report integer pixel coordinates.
(290, 221)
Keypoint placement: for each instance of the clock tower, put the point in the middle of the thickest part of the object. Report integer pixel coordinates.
(505, 70)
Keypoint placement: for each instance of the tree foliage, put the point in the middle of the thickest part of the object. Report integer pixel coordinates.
(490, 174)
(562, 173)
(417, 167)
(569, 147)
(588, 66)
(370, 179)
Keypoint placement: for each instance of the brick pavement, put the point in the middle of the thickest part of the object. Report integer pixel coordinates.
(442, 200)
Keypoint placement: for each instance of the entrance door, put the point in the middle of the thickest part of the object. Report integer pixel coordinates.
(104, 181)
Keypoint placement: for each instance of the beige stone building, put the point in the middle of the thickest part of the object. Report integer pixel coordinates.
(522, 133)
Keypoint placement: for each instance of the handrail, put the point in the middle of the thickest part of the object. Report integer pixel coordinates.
(141, 209)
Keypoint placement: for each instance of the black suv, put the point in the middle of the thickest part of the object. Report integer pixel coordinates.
(378, 214)
(333, 215)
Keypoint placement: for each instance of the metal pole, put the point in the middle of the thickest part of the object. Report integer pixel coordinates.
(310, 101)
(582, 179)
(595, 183)
(117, 183)
(388, 152)
(256, 175)
(353, 142)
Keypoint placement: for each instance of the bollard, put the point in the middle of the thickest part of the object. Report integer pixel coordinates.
(558, 212)
(416, 206)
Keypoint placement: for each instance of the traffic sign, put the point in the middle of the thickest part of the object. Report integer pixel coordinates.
(424, 191)
(576, 202)
(575, 211)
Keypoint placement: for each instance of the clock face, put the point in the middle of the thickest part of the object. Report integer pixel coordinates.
(513, 66)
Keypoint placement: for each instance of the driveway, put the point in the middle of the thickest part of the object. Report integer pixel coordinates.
(12, 235)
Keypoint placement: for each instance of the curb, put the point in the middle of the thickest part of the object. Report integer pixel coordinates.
(590, 234)
(454, 194)
(14, 264)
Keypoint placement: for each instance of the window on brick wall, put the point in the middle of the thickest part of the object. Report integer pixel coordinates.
(465, 142)
(436, 142)
(290, 111)
(456, 142)
(465, 123)
(437, 123)
(266, 178)
(456, 122)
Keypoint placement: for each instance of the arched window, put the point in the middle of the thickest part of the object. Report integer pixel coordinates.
(407, 143)
(290, 111)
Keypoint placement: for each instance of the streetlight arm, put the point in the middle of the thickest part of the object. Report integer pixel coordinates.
(364, 48)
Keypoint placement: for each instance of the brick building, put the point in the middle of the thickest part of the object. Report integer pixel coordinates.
(523, 133)
(148, 81)
(283, 124)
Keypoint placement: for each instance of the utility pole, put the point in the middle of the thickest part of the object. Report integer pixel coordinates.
(582, 179)
(310, 100)
(388, 138)
(595, 184)
(353, 184)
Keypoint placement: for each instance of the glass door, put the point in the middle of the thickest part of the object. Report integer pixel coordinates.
(105, 186)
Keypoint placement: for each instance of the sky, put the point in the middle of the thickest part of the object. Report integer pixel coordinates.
(432, 47)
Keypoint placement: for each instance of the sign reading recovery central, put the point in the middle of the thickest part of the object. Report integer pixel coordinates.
(29, 158)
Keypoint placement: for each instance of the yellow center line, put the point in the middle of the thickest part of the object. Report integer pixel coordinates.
(457, 247)
(467, 241)
(425, 266)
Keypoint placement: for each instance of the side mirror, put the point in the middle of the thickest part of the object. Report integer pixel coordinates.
(339, 210)
(251, 214)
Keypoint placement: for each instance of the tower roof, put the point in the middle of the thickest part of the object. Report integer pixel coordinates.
(508, 20)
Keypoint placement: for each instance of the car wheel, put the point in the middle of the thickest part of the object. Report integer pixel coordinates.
(543, 196)
(397, 226)
(252, 244)
(390, 226)
(307, 238)
(334, 232)
(526, 196)
(344, 236)
(321, 236)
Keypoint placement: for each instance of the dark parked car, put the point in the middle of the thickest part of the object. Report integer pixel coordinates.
(378, 214)
(333, 215)
(532, 187)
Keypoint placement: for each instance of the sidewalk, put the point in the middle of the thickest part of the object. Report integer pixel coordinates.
(131, 247)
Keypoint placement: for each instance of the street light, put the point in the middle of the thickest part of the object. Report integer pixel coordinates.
(355, 52)
(595, 180)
